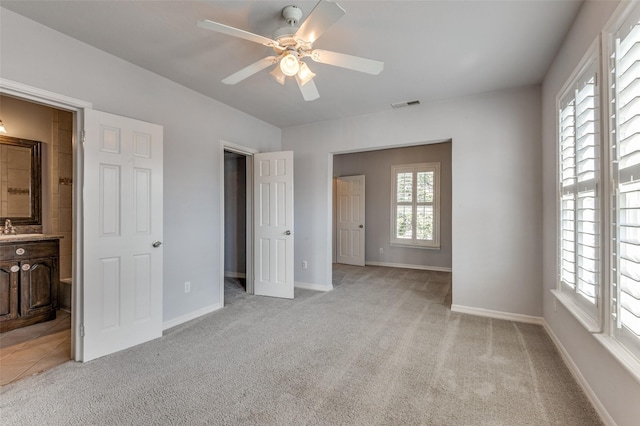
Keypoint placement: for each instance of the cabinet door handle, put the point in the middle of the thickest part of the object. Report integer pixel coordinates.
(15, 268)
(26, 267)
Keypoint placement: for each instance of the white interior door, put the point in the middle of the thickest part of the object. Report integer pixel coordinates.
(273, 226)
(122, 196)
(350, 220)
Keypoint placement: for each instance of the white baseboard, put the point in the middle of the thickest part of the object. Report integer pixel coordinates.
(229, 274)
(406, 266)
(575, 371)
(190, 316)
(316, 287)
(497, 314)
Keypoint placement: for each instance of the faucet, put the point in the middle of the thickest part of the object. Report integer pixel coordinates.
(8, 228)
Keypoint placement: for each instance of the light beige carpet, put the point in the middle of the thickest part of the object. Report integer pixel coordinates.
(382, 348)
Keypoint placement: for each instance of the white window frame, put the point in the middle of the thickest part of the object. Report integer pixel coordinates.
(589, 313)
(415, 169)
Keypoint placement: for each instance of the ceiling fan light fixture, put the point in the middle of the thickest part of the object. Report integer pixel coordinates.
(305, 74)
(289, 64)
(278, 75)
(294, 42)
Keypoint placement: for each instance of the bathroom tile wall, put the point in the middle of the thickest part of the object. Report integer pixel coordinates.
(62, 186)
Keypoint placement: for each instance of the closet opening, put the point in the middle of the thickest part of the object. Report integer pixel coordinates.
(236, 226)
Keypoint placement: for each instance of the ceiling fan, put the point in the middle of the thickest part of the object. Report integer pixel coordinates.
(291, 44)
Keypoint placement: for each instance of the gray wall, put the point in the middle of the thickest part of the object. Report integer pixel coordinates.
(376, 167)
(615, 390)
(235, 214)
(194, 126)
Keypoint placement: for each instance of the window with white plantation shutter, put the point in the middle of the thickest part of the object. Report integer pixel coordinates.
(415, 205)
(579, 160)
(625, 168)
(599, 225)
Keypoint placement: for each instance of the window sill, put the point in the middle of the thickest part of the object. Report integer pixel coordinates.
(628, 361)
(587, 322)
(620, 353)
(416, 246)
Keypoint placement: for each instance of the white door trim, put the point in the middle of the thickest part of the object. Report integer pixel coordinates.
(248, 153)
(77, 106)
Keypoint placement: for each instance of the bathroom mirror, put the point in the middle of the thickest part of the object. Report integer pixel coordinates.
(20, 181)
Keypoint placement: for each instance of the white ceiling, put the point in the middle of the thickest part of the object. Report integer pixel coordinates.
(431, 49)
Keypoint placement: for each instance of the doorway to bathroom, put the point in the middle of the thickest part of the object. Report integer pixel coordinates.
(29, 350)
(85, 307)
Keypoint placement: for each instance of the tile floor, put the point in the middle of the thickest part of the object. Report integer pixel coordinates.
(34, 349)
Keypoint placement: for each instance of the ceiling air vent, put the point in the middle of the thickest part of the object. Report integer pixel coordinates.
(405, 104)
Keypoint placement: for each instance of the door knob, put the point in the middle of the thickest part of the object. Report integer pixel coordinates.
(157, 243)
(361, 226)
(287, 232)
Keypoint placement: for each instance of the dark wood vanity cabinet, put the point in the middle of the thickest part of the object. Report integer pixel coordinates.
(28, 283)
(8, 290)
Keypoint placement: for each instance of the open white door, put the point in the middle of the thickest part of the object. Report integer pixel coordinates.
(350, 218)
(122, 197)
(273, 226)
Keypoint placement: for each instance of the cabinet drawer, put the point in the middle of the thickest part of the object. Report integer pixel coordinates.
(31, 249)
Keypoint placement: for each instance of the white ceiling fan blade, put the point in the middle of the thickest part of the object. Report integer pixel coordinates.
(355, 63)
(236, 32)
(250, 70)
(309, 90)
(322, 16)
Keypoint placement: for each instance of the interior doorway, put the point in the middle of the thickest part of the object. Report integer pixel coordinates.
(235, 229)
(269, 221)
(35, 348)
(380, 249)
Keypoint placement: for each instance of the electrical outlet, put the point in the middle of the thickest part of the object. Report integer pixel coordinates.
(381, 250)
(305, 264)
(187, 286)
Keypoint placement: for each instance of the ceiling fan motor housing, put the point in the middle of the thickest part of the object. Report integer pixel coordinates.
(285, 36)
(292, 15)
